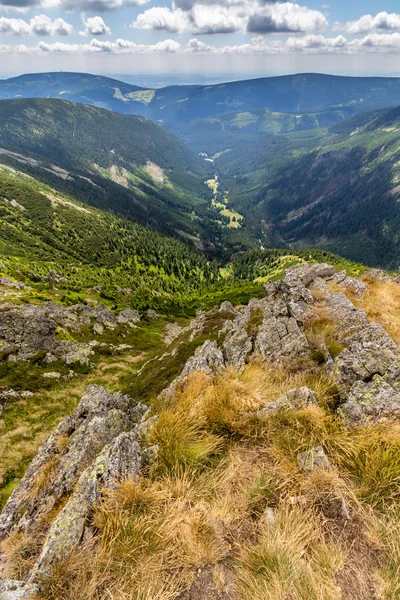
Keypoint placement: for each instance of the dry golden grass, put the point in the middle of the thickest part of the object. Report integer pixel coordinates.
(19, 551)
(382, 304)
(202, 506)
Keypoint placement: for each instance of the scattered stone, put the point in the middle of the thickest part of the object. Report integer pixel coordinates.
(152, 314)
(129, 317)
(98, 329)
(295, 399)
(52, 375)
(313, 460)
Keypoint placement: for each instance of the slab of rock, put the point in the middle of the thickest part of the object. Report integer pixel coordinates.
(122, 458)
(313, 460)
(370, 402)
(343, 312)
(99, 418)
(295, 399)
(370, 352)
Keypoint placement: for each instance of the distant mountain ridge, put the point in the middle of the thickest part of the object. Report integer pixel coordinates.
(302, 93)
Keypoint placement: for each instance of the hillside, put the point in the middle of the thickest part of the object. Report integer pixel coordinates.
(250, 453)
(98, 91)
(336, 188)
(124, 164)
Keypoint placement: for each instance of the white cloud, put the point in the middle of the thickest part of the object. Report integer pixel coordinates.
(38, 25)
(70, 5)
(368, 23)
(259, 45)
(119, 47)
(95, 26)
(239, 16)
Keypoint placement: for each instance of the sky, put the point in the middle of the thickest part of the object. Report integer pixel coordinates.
(204, 38)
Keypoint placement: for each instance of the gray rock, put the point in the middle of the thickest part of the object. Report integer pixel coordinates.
(75, 353)
(295, 399)
(98, 329)
(354, 285)
(380, 276)
(97, 421)
(9, 283)
(121, 458)
(349, 318)
(281, 338)
(26, 331)
(297, 297)
(370, 402)
(237, 346)
(152, 314)
(207, 358)
(104, 316)
(17, 590)
(52, 375)
(129, 317)
(370, 352)
(227, 307)
(308, 272)
(319, 286)
(338, 277)
(313, 460)
(5, 396)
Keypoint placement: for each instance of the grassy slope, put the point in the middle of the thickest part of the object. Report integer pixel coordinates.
(227, 506)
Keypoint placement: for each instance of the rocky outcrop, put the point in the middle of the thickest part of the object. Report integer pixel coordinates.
(27, 330)
(69, 451)
(121, 458)
(102, 442)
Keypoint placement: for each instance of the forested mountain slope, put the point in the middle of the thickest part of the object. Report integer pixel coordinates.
(121, 163)
(334, 188)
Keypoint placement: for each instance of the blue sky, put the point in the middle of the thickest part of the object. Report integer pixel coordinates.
(209, 37)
